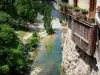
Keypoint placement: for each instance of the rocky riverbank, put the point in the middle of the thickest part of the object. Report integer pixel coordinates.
(75, 61)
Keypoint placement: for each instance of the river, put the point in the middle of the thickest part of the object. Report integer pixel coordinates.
(50, 60)
(49, 57)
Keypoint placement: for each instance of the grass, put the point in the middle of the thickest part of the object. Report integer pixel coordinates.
(21, 33)
(61, 70)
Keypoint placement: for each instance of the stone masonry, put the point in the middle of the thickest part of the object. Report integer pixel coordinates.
(76, 61)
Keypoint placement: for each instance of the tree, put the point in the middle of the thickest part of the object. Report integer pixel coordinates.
(4, 5)
(7, 6)
(26, 9)
(34, 41)
(6, 19)
(12, 58)
(7, 36)
(48, 19)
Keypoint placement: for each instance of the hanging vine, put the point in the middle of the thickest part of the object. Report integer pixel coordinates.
(48, 19)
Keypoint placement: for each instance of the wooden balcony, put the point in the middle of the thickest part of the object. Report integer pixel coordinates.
(84, 34)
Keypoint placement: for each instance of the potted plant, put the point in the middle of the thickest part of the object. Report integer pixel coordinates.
(63, 6)
(76, 11)
(84, 11)
(69, 8)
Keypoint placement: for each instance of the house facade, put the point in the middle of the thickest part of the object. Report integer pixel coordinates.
(97, 13)
(97, 18)
(89, 5)
(86, 35)
(85, 31)
(81, 3)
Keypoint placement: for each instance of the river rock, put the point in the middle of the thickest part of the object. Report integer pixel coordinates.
(36, 71)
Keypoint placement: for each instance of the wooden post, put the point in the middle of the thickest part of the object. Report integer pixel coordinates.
(92, 8)
(75, 3)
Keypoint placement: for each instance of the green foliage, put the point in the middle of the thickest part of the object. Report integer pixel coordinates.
(4, 69)
(7, 36)
(32, 43)
(6, 19)
(63, 4)
(61, 70)
(61, 20)
(22, 8)
(35, 39)
(12, 56)
(48, 19)
(84, 10)
(3, 5)
(7, 6)
(17, 59)
(42, 10)
(76, 8)
(27, 9)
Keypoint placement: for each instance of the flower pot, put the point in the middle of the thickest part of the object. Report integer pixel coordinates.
(84, 13)
(69, 11)
(91, 20)
(84, 17)
(75, 13)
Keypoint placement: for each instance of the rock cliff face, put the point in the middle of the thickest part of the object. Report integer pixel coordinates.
(76, 61)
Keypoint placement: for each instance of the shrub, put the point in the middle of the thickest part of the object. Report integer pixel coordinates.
(61, 21)
(76, 8)
(32, 43)
(84, 10)
(4, 69)
(5, 18)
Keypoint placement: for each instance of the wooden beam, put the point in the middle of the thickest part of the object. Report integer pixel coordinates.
(75, 3)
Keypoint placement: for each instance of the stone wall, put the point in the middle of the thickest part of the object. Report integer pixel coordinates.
(76, 61)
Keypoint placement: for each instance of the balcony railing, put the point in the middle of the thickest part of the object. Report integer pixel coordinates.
(84, 34)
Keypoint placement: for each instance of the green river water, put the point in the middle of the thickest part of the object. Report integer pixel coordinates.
(50, 60)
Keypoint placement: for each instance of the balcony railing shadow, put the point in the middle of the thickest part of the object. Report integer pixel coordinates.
(90, 60)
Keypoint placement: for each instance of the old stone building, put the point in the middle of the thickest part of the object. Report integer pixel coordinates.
(81, 50)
